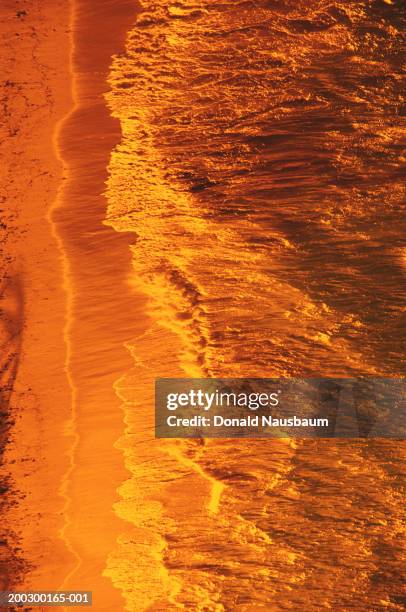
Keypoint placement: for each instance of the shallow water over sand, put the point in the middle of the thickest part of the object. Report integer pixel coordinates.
(260, 171)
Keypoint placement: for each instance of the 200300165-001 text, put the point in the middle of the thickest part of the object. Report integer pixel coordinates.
(45, 598)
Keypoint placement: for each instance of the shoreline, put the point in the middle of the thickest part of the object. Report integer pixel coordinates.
(62, 462)
(95, 259)
(96, 306)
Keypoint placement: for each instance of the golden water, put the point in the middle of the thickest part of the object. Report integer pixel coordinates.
(260, 172)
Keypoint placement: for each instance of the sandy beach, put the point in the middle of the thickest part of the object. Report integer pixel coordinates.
(36, 95)
(59, 519)
(102, 309)
(197, 191)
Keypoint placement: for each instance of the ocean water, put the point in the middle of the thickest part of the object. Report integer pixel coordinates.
(260, 170)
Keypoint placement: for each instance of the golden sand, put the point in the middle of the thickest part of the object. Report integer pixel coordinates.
(61, 458)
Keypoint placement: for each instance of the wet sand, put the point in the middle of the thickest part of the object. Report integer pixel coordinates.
(78, 306)
(103, 311)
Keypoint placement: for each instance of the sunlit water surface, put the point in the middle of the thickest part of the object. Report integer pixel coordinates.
(260, 171)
